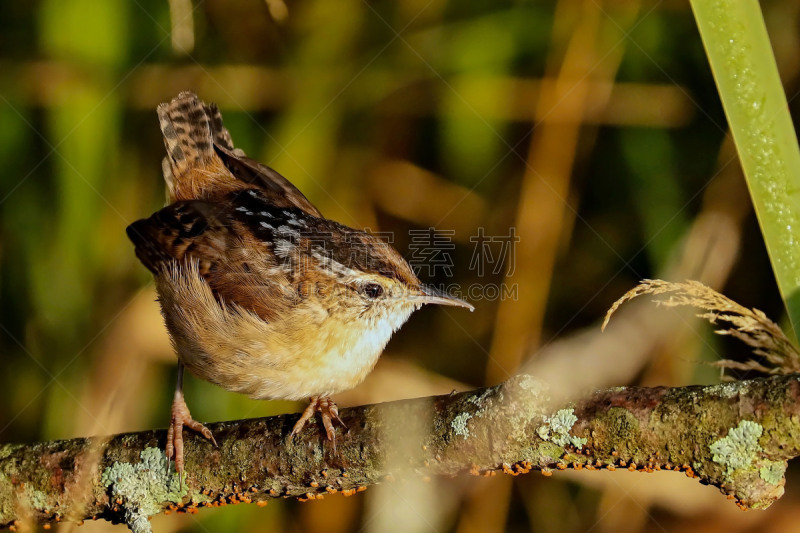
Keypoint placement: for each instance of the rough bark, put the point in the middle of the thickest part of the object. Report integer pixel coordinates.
(735, 436)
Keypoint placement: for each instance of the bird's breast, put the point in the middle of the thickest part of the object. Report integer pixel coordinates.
(305, 352)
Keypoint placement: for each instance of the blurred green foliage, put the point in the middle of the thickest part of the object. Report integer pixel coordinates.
(740, 53)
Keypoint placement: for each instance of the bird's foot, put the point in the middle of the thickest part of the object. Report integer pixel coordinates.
(329, 413)
(180, 418)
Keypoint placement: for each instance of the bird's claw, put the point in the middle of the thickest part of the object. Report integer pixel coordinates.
(329, 413)
(181, 417)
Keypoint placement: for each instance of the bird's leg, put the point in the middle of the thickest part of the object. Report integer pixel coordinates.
(329, 413)
(180, 418)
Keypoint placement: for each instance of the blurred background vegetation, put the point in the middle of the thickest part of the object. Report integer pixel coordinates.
(593, 128)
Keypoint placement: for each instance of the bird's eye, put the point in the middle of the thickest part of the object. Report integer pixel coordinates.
(373, 290)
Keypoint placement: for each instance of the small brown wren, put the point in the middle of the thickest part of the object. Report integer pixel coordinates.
(261, 294)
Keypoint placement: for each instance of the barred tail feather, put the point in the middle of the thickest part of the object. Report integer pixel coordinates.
(219, 132)
(191, 129)
(202, 162)
(187, 132)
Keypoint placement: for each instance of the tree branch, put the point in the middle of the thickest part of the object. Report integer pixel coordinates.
(736, 436)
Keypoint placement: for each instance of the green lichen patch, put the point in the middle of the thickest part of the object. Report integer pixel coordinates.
(772, 471)
(557, 427)
(459, 424)
(526, 406)
(479, 400)
(739, 448)
(144, 487)
(37, 498)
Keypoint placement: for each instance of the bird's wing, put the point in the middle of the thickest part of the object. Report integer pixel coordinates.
(238, 267)
(278, 189)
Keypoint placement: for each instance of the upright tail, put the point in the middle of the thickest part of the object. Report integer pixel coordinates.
(192, 167)
(202, 163)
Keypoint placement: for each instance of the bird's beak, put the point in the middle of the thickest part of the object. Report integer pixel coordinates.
(432, 295)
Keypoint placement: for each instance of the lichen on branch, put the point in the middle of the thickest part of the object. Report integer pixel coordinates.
(736, 436)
